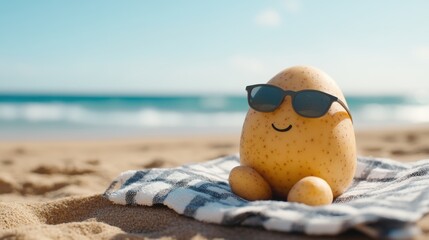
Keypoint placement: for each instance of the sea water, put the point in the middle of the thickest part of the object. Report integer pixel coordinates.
(67, 116)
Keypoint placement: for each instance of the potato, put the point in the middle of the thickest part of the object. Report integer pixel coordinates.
(248, 184)
(324, 147)
(312, 191)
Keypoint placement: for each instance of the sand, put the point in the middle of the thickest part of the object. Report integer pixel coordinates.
(52, 189)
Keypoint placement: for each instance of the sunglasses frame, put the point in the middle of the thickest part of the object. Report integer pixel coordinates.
(293, 94)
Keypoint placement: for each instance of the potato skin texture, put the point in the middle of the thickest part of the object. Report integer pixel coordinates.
(249, 184)
(324, 147)
(312, 191)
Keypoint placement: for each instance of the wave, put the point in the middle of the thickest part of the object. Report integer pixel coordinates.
(143, 117)
(377, 114)
(152, 117)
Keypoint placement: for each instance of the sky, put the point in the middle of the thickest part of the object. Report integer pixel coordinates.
(210, 47)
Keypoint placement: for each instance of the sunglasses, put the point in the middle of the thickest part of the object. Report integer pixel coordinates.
(307, 103)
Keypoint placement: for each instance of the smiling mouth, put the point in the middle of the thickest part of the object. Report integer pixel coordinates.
(281, 129)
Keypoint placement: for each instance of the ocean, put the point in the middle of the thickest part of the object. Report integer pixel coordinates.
(36, 116)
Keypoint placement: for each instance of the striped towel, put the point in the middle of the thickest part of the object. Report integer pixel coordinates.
(385, 199)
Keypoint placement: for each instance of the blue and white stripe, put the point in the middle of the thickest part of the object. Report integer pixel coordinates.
(385, 199)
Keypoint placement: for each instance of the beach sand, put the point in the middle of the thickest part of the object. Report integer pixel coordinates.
(52, 189)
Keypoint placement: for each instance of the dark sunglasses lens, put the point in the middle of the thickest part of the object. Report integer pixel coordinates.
(311, 103)
(265, 98)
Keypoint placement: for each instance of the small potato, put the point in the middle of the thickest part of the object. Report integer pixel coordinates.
(249, 184)
(312, 191)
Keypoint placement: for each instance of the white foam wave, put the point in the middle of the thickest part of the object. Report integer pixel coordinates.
(376, 114)
(371, 114)
(145, 117)
(35, 112)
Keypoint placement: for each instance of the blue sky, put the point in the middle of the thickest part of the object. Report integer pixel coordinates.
(368, 47)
